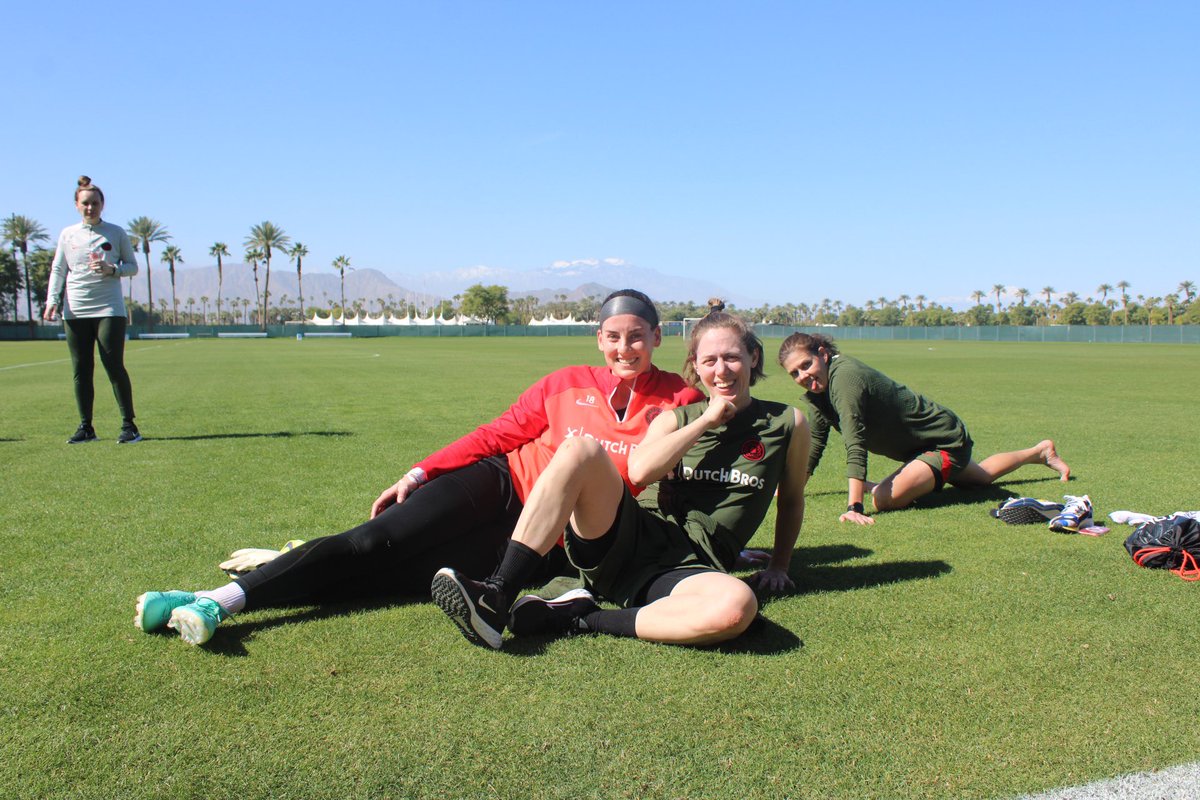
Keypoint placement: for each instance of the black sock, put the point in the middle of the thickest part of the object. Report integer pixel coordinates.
(614, 622)
(520, 563)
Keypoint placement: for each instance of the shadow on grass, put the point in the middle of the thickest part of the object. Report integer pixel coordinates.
(997, 493)
(811, 580)
(272, 435)
(763, 637)
(230, 637)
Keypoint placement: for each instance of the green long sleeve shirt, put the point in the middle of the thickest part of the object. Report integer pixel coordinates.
(875, 414)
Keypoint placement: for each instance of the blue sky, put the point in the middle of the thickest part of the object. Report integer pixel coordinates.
(789, 151)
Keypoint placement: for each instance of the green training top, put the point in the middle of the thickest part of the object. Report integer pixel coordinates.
(877, 415)
(726, 481)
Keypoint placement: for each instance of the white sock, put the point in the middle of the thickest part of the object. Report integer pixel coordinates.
(229, 597)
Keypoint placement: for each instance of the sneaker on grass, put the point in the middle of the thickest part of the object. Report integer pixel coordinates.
(1027, 511)
(536, 616)
(198, 621)
(129, 434)
(476, 607)
(154, 608)
(84, 433)
(1076, 514)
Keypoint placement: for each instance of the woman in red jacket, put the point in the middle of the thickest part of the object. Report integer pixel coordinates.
(458, 506)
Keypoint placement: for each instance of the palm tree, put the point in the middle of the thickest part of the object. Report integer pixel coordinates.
(1070, 298)
(143, 231)
(204, 306)
(1021, 295)
(191, 304)
(1049, 292)
(21, 231)
(245, 309)
(1104, 289)
(267, 236)
(341, 264)
(1169, 302)
(254, 255)
(170, 255)
(219, 249)
(978, 296)
(1123, 285)
(1188, 288)
(999, 290)
(298, 252)
(920, 302)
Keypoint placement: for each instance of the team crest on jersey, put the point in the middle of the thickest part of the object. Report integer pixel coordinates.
(753, 450)
(652, 413)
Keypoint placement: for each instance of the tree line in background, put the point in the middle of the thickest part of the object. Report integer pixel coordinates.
(25, 268)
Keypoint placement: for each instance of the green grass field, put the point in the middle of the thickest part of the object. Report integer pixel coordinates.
(939, 654)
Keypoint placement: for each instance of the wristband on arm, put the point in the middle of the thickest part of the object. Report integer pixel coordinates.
(856, 508)
(418, 476)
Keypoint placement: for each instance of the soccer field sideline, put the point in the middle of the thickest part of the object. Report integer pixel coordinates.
(1174, 783)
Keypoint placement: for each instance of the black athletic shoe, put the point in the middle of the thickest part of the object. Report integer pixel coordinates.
(83, 433)
(536, 616)
(1026, 511)
(129, 434)
(479, 609)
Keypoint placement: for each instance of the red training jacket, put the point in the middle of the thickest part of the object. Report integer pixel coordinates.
(572, 401)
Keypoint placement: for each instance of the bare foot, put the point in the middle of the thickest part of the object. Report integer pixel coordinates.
(1051, 459)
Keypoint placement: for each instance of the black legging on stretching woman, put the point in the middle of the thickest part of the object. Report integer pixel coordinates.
(462, 519)
(83, 334)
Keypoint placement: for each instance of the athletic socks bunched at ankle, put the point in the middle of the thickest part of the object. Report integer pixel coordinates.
(614, 622)
(230, 597)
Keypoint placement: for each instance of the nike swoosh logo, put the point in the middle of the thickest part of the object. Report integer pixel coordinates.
(584, 403)
(484, 604)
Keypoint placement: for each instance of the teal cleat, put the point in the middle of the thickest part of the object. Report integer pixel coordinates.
(154, 608)
(198, 621)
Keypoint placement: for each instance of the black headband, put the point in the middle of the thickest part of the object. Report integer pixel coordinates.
(624, 304)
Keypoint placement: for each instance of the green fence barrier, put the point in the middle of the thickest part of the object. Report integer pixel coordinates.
(1100, 334)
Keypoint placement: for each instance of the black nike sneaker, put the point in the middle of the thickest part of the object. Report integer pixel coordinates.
(84, 433)
(536, 616)
(477, 607)
(129, 434)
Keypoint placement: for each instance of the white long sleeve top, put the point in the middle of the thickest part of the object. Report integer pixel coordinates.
(88, 294)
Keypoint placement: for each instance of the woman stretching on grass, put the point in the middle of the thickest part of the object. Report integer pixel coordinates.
(665, 556)
(458, 506)
(877, 415)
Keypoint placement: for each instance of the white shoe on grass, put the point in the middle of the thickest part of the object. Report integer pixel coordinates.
(198, 621)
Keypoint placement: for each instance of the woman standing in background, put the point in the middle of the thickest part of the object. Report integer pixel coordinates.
(91, 258)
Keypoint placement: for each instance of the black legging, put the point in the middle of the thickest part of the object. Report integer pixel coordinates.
(82, 338)
(461, 519)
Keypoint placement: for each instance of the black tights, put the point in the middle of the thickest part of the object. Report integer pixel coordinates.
(82, 337)
(462, 519)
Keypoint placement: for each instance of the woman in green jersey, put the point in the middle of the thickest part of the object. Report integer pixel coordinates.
(877, 415)
(664, 557)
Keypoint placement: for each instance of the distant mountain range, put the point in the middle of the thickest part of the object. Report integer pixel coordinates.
(576, 280)
(567, 277)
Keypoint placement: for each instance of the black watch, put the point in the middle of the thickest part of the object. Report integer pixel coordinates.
(855, 507)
